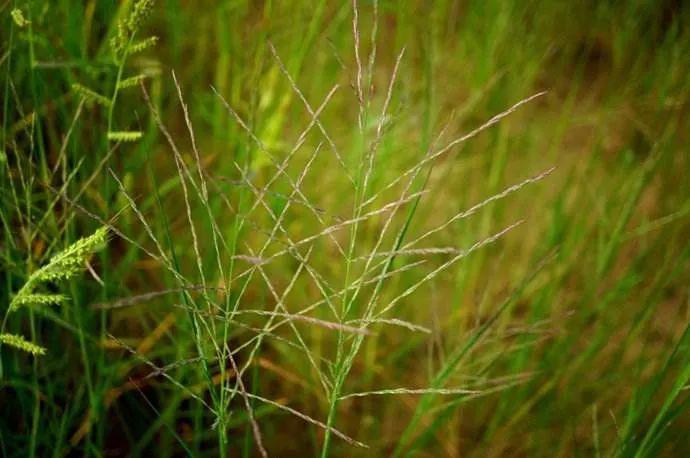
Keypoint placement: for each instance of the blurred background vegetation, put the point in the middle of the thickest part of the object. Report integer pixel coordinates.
(573, 327)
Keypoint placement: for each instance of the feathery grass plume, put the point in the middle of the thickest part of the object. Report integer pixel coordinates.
(62, 266)
(124, 136)
(21, 343)
(90, 95)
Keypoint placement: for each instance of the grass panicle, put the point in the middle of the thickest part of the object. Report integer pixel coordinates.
(20, 343)
(90, 95)
(61, 266)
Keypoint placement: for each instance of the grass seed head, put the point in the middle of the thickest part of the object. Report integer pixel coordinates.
(21, 343)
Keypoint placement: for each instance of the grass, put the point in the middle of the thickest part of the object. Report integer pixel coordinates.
(344, 229)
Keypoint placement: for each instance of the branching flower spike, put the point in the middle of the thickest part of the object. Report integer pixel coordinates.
(127, 28)
(62, 266)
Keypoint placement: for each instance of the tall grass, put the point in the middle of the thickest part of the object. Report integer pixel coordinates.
(358, 229)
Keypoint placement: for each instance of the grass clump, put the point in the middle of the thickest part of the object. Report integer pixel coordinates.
(415, 230)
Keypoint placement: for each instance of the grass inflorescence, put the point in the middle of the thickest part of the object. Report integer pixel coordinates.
(62, 266)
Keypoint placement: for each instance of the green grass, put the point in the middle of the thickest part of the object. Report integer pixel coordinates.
(402, 245)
